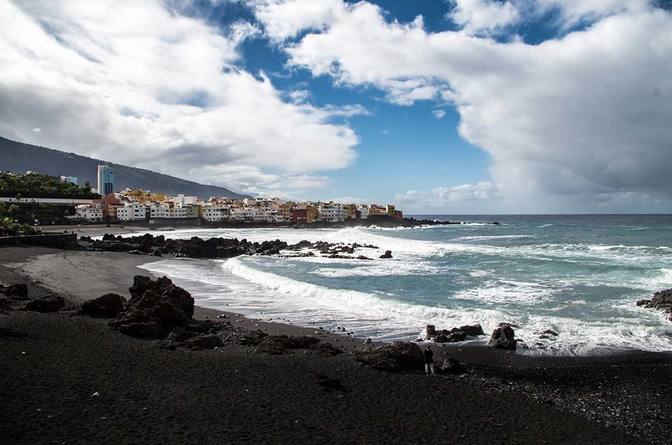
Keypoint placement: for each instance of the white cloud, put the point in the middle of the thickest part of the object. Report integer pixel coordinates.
(285, 19)
(466, 198)
(133, 82)
(583, 117)
(484, 16)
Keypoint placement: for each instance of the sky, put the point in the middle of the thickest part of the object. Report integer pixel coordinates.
(437, 106)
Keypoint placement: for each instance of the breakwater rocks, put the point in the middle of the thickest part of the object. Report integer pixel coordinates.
(196, 247)
(662, 301)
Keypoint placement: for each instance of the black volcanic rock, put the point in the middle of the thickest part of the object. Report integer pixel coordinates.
(662, 301)
(387, 254)
(155, 308)
(454, 334)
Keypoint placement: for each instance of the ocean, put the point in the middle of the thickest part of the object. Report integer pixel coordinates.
(579, 276)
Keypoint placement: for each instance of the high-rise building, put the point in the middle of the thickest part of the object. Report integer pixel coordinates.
(105, 180)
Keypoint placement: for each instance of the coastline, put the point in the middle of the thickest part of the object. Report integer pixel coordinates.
(627, 393)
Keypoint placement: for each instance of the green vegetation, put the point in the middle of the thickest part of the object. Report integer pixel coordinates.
(11, 228)
(37, 185)
(34, 213)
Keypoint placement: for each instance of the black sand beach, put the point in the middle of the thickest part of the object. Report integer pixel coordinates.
(71, 379)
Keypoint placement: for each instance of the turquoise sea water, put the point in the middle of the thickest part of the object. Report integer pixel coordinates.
(577, 275)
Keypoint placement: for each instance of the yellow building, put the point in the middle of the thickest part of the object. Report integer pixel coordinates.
(312, 213)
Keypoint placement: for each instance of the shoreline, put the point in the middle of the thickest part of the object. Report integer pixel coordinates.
(626, 392)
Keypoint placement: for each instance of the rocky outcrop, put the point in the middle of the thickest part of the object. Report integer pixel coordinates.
(454, 334)
(108, 305)
(51, 303)
(155, 308)
(393, 357)
(662, 301)
(503, 337)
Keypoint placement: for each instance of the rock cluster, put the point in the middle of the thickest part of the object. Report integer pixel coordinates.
(503, 337)
(662, 301)
(454, 334)
(399, 356)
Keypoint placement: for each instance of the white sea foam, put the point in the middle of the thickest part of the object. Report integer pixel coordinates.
(490, 237)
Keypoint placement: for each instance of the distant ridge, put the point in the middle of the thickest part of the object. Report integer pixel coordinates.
(18, 157)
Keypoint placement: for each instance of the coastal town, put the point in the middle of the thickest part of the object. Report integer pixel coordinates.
(135, 205)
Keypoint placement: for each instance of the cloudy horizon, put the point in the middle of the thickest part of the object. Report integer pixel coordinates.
(456, 106)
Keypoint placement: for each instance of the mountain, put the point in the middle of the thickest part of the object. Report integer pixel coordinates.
(18, 157)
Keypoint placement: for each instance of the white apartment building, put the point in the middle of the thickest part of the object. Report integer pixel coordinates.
(243, 213)
(92, 212)
(184, 200)
(267, 211)
(363, 212)
(166, 210)
(216, 212)
(131, 212)
(331, 212)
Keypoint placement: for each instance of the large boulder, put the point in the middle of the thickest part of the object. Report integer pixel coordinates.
(155, 308)
(662, 301)
(108, 305)
(398, 356)
(51, 303)
(503, 337)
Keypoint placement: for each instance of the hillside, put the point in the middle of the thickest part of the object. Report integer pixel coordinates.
(18, 158)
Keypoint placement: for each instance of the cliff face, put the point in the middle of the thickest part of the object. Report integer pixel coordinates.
(17, 157)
